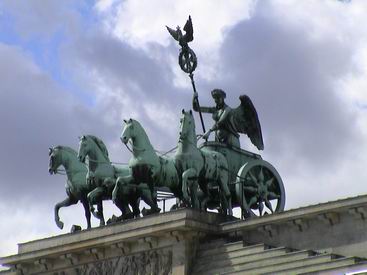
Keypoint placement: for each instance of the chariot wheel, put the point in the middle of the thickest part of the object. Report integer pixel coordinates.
(187, 60)
(259, 187)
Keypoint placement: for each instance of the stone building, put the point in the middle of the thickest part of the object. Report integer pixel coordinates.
(328, 238)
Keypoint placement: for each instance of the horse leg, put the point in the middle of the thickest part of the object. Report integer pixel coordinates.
(67, 202)
(126, 213)
(189, 182)
(148, 198)
(194, 193)
(185, 193)
(134, 201)
(120, 197)
(95, 197)
(227, 197)
(204, 202)
(135, 206)
(100, 213)
(87, 212)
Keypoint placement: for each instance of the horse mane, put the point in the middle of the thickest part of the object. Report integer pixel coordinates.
(143, 132)
(100, 145)
(193, 125)
(66, 148)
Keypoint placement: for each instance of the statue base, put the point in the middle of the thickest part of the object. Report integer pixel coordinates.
(329, 238)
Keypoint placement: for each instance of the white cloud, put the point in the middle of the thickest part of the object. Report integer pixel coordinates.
(141, 23)
(105, 5)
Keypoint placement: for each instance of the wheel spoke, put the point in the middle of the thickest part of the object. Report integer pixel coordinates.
(261, 189)
(268, 205)
(273, 196)
(269, 182)
(261, 207)
(261, 174)
(252, 177)
(250, 189)
(253, 201)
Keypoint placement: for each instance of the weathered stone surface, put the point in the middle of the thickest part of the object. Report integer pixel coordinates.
(186, 241)
(337, 227)
(155, 262)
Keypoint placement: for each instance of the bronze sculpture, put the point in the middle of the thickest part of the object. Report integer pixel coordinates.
(200, 167)
(229, 122)
(76, 186)
(214, 175)
(101, 173)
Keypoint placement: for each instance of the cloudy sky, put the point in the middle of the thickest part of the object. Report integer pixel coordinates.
(79, 67)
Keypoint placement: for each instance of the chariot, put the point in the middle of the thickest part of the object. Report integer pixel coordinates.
(255, 184)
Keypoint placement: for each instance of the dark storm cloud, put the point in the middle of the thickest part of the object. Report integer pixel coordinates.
(35, 114)
(129, 72)
(140, 73)
(292, 80)
(41, 19)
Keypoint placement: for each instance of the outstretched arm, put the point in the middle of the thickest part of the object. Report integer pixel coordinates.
(196, 106)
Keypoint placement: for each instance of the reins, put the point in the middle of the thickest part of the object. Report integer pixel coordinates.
(198, 137)
(63, 171)
(110, 162)
(161, 153)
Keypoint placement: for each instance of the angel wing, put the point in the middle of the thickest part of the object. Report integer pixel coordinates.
(189, 35)
(246, 121)
(177, 34)
(174, 33)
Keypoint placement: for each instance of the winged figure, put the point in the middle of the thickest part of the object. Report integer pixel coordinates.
(229, 122)
(246, 121)
(183, 39)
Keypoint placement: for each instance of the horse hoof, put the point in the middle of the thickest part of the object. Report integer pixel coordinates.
(128, 216)
(144, 212)
(113, 219)
(60, 224)
(75, 228)
(174, 207)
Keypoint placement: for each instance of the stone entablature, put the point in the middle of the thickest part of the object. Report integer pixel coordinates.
(166, 243)
(158, 234)
(337, 226)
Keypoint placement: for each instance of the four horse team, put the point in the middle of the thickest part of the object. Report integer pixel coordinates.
(215, 175)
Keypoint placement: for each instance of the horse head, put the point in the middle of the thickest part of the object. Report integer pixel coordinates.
(84, 148)
(187, 127)
(128, 131)
(55, 159)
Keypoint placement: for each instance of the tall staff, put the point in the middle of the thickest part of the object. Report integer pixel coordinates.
(187, 57)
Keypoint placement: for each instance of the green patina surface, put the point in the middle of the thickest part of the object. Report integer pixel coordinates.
(215, 175)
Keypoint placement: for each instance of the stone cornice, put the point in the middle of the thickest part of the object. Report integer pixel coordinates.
(167, 225)
(327, 212)
(165, 230)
